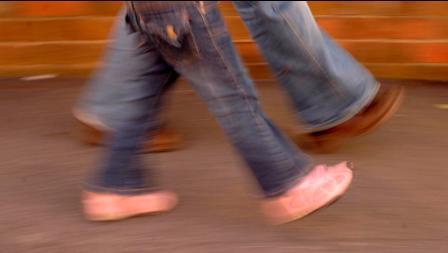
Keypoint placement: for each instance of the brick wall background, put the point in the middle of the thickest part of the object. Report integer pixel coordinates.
(394, 39)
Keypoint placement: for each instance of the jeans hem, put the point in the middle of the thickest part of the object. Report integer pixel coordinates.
(348, 113)
(101, 189)
(290, 183)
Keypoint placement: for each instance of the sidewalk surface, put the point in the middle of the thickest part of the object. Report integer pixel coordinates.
(398, 201)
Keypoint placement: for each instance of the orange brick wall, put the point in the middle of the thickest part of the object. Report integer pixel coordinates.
(393, 39)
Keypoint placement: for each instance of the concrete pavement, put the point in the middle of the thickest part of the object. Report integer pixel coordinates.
(398, 201)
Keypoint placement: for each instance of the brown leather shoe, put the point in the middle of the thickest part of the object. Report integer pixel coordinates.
(383, 106)
(162, 140)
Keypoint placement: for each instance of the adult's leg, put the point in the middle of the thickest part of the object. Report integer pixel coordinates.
(329, 90)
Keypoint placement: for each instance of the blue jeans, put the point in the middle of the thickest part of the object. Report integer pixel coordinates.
(192, 40)
(326, 86)
(118, 89)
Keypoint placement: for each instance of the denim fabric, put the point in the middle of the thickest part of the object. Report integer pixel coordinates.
(191, 39)
(118, 89)
(325, 84)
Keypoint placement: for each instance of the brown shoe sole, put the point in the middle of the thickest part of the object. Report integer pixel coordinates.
(329, 140)
(162, 140)
(387, 114)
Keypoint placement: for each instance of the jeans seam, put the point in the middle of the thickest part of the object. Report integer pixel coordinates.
(310, 54)
(96, 188)
(293, 181)
(360, 104)
(92, 185)
(234, 79)
(226, 64)
(158, 94)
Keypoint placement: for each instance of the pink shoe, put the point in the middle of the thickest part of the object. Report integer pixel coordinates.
(322, 186)
(108, 207)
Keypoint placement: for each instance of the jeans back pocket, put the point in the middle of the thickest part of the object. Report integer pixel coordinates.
(171, 33)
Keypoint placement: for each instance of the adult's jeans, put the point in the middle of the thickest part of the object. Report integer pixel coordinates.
(326, 86)
(324, 83)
